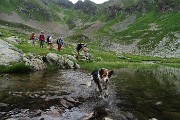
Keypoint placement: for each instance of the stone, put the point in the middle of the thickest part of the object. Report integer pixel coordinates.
(9, 53)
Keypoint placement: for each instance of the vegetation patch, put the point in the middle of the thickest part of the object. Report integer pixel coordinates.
(15, 68)
(16, 25)
(79, 38)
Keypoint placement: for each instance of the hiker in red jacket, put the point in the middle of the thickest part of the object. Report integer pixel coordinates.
(41, 39)
(32, 39)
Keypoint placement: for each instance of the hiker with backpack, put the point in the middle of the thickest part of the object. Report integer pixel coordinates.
(41, 39)
(51, 41)
(82, 47)
(47, 39)
(32, 39)
(60, 43)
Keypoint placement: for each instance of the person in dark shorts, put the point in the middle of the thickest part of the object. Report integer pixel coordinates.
(81, 47)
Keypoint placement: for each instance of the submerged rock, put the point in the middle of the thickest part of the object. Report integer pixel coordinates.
(66, 104)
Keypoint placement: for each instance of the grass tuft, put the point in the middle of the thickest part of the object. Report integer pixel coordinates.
(16, 68)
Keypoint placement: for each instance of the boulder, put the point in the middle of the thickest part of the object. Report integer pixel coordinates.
(9, 53)
(35, 62)
(13, 40)
(52, 58)
(77, 66)
(65, 61)
(61, 63)
(71, 57)
(69, 64)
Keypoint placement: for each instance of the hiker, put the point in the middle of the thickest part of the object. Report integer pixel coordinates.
(41, 39)
(47, 39)
(51, 41)
(60, 43)
(81, 47)
(32, 39)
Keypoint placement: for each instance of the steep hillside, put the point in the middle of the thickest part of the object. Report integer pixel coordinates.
(36, 14)
(143, 27)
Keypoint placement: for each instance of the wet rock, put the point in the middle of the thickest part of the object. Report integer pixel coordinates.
(70, 64)
(153, 119)
(159, 103)
(3, 105)
(106, 118)
(99, 113)
(66, 104)
(11, 119)
(77, 66)
(74, 101)
(61, 63)
(41, 118)
(15, 111)
(5, 76)
(129, 115)
(38, 113)
(88, 117)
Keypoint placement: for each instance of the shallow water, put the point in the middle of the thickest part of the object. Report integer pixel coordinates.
(134, 94)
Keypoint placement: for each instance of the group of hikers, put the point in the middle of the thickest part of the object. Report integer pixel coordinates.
(49, 40)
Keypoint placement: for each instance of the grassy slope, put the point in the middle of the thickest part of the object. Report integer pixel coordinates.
(168, 22)
(33, 9)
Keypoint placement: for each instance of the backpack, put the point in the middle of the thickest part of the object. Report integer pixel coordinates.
(59, 41)
(47, 39)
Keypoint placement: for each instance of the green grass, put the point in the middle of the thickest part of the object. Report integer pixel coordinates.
(16, 25)
(15, 68)
(28, 48)
(140, 29)
(101, 57)
(174, 65)
(167, 22)
(7, 6)
(137, 58)
(115, 65)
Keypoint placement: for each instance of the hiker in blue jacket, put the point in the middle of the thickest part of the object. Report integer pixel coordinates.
(60, 43)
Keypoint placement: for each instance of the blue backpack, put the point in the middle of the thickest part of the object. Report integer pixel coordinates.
(59, 41)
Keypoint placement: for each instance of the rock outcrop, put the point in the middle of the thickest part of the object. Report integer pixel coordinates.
(65, 61)
(9, 53)
(35, 62)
